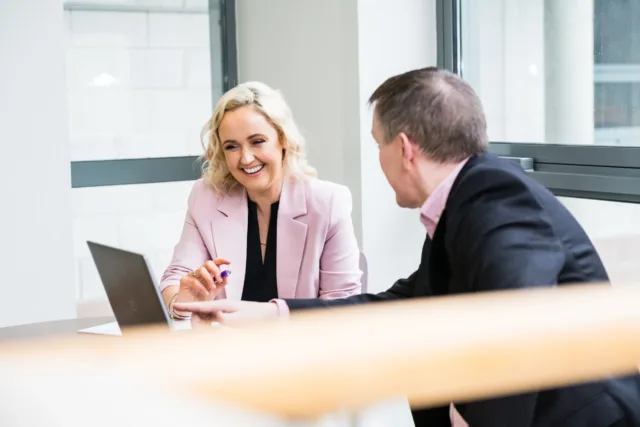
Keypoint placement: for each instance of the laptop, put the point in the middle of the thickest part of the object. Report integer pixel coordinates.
(131, 289)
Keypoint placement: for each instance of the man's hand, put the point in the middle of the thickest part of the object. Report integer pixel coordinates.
(226, 312)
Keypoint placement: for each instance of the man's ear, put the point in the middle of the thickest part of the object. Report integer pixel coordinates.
(408, 148)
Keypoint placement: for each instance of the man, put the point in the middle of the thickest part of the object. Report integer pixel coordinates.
(489, 227)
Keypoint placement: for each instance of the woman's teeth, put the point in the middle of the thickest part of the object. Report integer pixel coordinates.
(253, 170)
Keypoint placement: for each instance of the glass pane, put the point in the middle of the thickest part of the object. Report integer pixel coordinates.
(144, 218)
(555, 71)
(139, 76)
(616, 33)
(615, 231)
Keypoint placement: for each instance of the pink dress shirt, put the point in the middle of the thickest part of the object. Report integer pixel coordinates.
(432, 209)
(430, 214)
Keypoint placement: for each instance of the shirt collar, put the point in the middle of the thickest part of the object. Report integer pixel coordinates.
(433, 207)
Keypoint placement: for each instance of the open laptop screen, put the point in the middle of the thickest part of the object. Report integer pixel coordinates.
(129, 285)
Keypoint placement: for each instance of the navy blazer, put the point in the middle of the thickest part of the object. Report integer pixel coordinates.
(500, 230)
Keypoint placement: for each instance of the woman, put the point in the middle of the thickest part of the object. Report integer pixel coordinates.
(259, 205)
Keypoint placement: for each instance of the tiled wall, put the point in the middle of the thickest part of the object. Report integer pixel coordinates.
(138, 86)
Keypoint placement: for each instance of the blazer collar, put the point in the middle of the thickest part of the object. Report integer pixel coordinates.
(229, 232)
(230, 204)
(292, 236)
(293, 199)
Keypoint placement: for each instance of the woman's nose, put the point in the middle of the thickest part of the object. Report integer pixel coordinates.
(247, 157)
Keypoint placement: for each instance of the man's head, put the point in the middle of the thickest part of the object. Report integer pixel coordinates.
(425, 121)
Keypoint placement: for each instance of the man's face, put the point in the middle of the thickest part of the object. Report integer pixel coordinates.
(396, 165)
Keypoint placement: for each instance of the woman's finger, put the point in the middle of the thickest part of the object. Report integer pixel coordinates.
(194, 286)
(205, 277)
(221, 317)
(222, 261)
(205, 307)
(195, 321)
(219, 287)
(213, 269)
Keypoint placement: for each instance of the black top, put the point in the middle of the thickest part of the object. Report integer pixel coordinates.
(260, 283)
(503, 230)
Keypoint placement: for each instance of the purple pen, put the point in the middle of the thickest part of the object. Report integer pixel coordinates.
(224, 274)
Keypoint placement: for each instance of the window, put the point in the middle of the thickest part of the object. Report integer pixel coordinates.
(617, 72)
(142, 79)
(560, 83)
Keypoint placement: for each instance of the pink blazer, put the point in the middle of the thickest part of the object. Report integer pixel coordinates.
(317, 252)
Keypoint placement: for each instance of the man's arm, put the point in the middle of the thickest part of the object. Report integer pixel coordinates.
(403, 288)
(231, 312)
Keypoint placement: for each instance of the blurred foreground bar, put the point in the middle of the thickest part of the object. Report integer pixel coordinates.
(432, 351)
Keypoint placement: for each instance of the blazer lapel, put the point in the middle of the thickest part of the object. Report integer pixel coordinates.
(229, 230)
(292, 235)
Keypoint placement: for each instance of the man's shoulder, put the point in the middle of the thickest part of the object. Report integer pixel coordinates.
(493, 167)
(490, 190)
(490, 174)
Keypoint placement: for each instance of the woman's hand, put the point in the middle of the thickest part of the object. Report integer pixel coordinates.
(230, 313)
(204, 283)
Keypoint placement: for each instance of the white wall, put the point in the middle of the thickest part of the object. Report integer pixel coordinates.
(327, 57)
(309, 50)
(35, 186)
(392, 236)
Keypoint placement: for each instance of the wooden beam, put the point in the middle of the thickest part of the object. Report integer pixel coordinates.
(433, 351)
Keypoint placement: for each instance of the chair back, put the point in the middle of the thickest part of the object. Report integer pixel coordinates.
(365, 272)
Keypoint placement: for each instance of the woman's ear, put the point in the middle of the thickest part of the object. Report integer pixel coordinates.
(283, 143)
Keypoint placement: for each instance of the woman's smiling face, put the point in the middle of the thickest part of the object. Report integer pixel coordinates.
(252, 149)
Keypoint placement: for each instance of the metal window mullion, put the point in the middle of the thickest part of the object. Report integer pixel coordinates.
(101, 173)
(448, 37)
(229, 46)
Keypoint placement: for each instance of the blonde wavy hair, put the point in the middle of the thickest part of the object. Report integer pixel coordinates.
(272, 105)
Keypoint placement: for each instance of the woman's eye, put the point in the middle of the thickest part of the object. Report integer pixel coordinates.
(229, 147)
(259, 141)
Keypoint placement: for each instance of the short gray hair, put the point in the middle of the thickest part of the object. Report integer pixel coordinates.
(436, 109)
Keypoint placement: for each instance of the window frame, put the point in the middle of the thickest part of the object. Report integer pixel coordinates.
(591, 171)
(100, 173)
